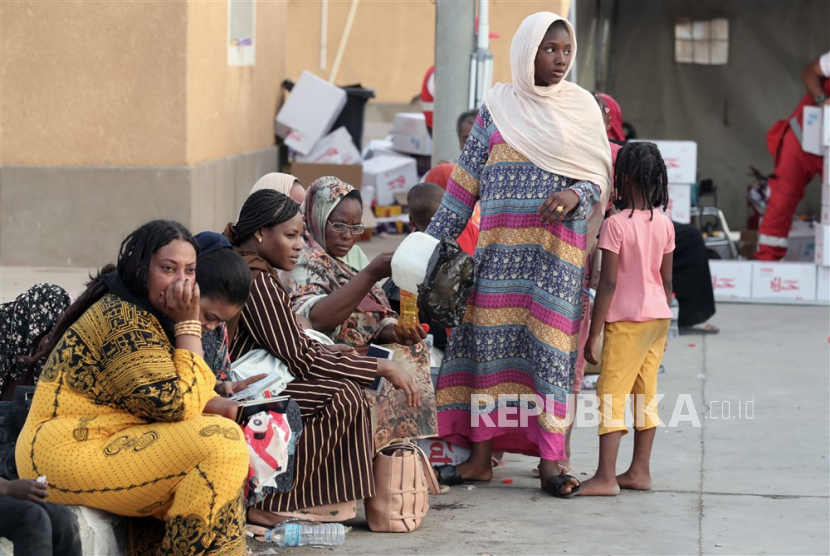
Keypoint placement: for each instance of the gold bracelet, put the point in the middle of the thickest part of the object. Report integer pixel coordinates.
(189, 328)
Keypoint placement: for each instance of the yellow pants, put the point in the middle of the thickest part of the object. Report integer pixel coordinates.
(631, 356)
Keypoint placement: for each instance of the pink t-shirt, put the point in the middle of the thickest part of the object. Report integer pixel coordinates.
(640, 244)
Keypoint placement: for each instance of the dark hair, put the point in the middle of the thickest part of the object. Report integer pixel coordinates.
(133, 270)
(263, 209)
(463, 118)
(354, 194)
(223, 275)
(640, 165)
(423, 200)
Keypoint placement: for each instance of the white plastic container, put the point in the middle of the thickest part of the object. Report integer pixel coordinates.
(410, 261)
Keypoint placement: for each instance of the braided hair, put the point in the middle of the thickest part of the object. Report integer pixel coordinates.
(133, 269)
(263, 209)
(640, 165)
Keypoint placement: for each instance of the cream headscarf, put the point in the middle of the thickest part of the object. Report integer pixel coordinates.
(281, 183)
(559, 127)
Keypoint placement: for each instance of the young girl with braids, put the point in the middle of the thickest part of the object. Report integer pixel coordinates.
(632, 307)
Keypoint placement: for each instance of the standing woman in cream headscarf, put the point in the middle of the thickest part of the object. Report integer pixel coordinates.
(539, 161)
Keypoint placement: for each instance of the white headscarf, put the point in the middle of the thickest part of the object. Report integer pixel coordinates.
(559, 128)
(281, 183)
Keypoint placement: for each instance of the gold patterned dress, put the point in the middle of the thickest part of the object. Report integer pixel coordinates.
(116, 424)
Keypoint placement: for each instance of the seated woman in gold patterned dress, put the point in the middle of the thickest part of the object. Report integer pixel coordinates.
(125, 417)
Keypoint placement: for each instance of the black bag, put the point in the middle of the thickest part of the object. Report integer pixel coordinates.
(447, 285)
(12, 418)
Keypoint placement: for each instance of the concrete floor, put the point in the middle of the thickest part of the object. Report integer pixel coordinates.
(738, 484)
(743, 483)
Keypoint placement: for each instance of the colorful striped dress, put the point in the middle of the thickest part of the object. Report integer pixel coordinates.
(519, 337)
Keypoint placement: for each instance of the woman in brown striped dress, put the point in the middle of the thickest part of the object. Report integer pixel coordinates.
(334, 453)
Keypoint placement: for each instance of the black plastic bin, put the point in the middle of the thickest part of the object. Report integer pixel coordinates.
(353, 114)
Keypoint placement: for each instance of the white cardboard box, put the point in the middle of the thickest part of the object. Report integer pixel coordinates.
(335, 148)
(382, 147)
(823, 245)
(680, 203)
(801, 243)
(811, 130)
(680, 158)
(309, 112)
(823, 284)
(731, 279)
(441, 452)
(410, 134)
(780, 280)
(389, 175)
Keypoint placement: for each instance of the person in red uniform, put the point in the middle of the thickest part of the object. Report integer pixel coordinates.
(794, 168)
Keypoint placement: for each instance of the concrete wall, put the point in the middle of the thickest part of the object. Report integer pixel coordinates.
(78, 215)
(117, 113)
(392, 44)
(231, 109)
(99, 83)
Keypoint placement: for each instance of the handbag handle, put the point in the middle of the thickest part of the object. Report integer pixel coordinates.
(406, 444)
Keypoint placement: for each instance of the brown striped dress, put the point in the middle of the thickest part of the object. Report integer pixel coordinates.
(334, 454)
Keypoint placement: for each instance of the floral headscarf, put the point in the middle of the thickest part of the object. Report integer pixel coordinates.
(323, 196)
(24, 320)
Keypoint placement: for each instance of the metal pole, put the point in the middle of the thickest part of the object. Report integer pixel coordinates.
(572, 18)
(454, 41)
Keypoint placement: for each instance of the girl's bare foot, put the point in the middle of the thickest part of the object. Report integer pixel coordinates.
(631, 480)
(598, 486)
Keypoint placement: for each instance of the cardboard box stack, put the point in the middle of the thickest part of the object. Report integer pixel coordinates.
(309, 112)
(681, 166)
(304, 123)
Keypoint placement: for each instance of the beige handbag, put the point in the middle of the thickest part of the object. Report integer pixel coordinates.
(403, 478)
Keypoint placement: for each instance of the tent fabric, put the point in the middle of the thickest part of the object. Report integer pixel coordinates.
(726, 109)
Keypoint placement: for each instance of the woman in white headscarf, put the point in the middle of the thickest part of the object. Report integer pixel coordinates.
(538, 160)
(286, 184)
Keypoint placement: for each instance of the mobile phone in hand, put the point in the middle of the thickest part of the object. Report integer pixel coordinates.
(379, 353)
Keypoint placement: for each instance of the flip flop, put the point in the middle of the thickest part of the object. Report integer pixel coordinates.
(704, 330)
(498, 464)
(449, 476)
(555, 484)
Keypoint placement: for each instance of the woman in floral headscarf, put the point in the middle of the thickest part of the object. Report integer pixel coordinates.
(23, 322)
(347, 305)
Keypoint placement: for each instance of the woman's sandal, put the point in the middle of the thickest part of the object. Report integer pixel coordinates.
(497, 464)
(555, 484)
(448, 475)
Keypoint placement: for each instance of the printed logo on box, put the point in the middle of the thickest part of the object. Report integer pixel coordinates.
(441, 452)
(723, 283)
(397, 183)
(778, 285)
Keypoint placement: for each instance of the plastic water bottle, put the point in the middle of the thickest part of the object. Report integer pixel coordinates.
(295, 534)
(674, 329)
(409, 310)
